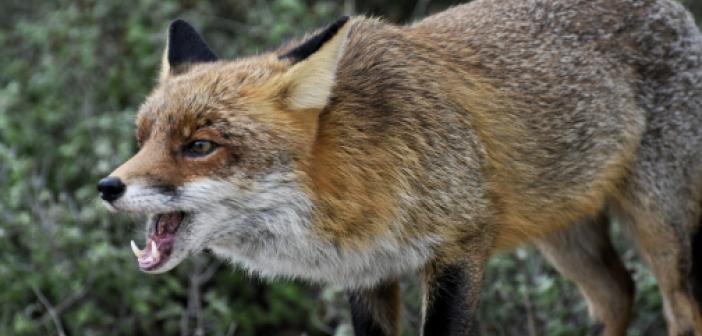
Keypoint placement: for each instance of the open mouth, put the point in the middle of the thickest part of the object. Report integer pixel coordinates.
(159, 243)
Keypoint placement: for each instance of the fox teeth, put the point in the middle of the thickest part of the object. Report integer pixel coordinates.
(154, 251)
(137, 252)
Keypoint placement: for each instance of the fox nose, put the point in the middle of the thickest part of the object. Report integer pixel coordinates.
(110, 188)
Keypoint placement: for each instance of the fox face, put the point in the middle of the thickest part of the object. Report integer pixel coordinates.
(233, 159)
(222, 145)
(208, 166)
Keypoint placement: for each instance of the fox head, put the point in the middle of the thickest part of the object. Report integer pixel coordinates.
(223, 145)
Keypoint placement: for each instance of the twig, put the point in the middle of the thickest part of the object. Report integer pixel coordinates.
(194, 303)
(420, 9)
(232, 329)
(52, 312)
(208, 273)
(531, 324)
(349, 7)
(194, 309)
(184, 325)
(65, 304)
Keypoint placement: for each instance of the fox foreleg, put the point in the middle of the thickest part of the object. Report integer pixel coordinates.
(376, 311)
(451, 295)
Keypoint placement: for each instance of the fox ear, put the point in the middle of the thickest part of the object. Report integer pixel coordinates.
(312, 76)
(184, 46)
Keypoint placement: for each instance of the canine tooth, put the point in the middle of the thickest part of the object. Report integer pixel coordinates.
(154, 250)
(135, 249)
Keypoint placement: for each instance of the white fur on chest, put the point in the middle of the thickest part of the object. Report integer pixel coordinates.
(318, 261)
(269, 231)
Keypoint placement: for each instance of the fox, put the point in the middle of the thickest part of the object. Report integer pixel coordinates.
(365, 151)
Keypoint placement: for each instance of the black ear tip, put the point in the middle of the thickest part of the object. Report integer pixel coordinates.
(179, 22)
(341, 21)
(186, 46)
(179, 25)
(313, 44)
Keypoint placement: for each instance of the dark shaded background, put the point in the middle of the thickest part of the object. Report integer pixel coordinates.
(72, 75)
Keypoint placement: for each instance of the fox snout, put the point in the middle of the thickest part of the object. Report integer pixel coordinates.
(111, 188)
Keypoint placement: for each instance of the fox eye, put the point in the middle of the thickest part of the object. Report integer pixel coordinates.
(199, 148)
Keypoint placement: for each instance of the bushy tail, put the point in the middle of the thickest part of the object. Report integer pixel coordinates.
(697, 265)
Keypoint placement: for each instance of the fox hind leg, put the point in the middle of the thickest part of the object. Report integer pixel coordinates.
(584, 254)
(661, 228)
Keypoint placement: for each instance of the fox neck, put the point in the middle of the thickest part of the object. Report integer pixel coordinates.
(314, 238)
(353, 197)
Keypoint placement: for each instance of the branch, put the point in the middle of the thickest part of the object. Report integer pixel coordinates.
(205, 276)
(420, 9)
(349, 7)
(232, 329)
(52, 312)
(65, 304)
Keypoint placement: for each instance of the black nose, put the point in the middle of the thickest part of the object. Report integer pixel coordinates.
(110, 188)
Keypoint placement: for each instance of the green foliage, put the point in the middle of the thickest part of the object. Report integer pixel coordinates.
(72, 74)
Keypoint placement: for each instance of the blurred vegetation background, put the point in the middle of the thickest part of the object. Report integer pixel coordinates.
(72, 75)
